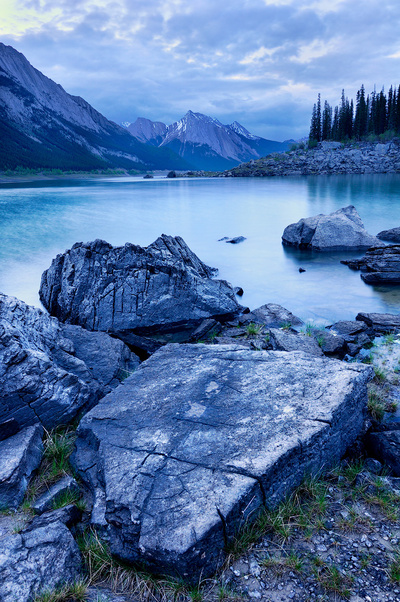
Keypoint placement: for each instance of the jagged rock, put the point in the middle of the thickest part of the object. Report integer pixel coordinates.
(41, 377)
(393, 235)
(379, 265)
(239, 291)
(286, 340)
(338, 231)
(38, 559)
(20, 455)
(200, 436)
(380, 323)
(46, 501)
(272, 315)
(385, 446)
(162, 288)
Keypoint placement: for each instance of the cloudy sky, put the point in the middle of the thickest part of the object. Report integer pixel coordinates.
(260, 62)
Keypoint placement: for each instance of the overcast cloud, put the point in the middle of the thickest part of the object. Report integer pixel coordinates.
(260, 62)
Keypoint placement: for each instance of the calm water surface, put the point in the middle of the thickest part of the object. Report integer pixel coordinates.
(41, 219)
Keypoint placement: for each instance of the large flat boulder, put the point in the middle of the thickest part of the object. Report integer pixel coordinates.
(338, 231)
(42, 377)
(379, 265)
(144, 290)
(201, 436)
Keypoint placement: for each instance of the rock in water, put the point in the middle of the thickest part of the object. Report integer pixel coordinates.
(341, 230)
(393, 235)
(189, 447)
(42, 377)
(161, 288)
(379, 265)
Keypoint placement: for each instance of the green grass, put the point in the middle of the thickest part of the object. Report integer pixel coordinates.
(253, 329)
(58, 445)
(394, 567)
(380, 375)
(376, 403)
(286, 325)
(70, 592)
(332, 580)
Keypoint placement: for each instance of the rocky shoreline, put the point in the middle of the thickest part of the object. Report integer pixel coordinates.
(329, 158)
(180, 450)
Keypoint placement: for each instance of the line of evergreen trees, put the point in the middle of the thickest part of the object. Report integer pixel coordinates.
(372, 115)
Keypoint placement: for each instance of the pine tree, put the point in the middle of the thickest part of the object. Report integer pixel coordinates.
(326, 122)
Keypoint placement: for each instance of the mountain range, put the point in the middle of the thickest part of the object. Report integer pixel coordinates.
(205, 142)
(41, 125)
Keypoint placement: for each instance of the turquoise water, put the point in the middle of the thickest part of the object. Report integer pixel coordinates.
(41, 219)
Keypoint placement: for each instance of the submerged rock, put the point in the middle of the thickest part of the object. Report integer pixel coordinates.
(42, 377)
(379, 265)
(161, 288)
(341, 230)
(190, 447)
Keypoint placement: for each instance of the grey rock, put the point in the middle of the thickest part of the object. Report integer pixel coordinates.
(385, 446)
(239, 291)
(108, 359)
(205, 330)
(379, 265)
(340, 230)
(271, 315)
(68, 515)
(200, 436)
(236, 240)
(20, 455)
(372, 465)
(285, 340)
(40, 378)
(380, 323)
(161, 288)
(329, 342)
(47, 500)
(393, 235)
(38, 559)
(8, 428)
(348, 329)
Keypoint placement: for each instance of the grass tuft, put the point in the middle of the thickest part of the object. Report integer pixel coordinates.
(70, 592)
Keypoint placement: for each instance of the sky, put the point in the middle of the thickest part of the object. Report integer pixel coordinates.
(259, 62)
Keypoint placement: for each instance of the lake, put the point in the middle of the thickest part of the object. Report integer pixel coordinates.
(40, 219)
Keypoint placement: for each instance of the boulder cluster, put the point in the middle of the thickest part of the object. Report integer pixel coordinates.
(193, 412)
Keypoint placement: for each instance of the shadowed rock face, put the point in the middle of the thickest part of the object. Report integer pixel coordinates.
(190, 446)
(341, 230)
(161, 288)
(393, 235)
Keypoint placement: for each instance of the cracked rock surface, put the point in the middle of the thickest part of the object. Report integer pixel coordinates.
(43, 374)
(145, 290)
(200, 436)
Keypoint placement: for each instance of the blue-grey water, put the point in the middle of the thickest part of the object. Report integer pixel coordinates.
(39, 220)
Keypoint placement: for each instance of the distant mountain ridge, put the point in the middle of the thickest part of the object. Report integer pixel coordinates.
(41, 125)
(204, 141)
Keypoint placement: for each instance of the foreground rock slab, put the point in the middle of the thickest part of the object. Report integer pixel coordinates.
(190, 447)
(341, 230)
(162, 287)
(379, 265)
(42, 377)
(40, 558)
